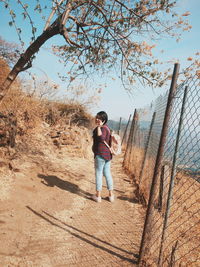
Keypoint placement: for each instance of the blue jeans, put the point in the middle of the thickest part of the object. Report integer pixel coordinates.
(102, 167)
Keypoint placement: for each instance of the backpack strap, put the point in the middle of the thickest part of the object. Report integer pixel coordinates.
(110, 148)
(106, 144)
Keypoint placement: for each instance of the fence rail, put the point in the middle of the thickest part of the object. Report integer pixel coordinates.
(163, 157)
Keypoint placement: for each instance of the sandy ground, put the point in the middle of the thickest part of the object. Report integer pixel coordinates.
(47, 217)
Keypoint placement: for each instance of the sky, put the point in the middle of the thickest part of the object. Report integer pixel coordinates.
(113, 98)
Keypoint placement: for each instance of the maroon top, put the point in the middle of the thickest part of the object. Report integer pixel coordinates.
(99, 148)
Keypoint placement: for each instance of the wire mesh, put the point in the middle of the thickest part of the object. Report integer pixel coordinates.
(174, 236)
(129, 143)
(121, 127)
(183, 226)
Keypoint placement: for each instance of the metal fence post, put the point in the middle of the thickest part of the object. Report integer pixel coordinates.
(146, 147)
(171, 185)
(119, 128)
(123, 138)
(158, 162)
(129, 143)
(135, 119)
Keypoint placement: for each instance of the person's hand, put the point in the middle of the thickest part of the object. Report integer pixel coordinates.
(99, 122)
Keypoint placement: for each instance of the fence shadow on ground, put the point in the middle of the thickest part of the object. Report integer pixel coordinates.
(84, 236)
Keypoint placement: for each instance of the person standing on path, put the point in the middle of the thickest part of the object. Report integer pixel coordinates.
(102, 156)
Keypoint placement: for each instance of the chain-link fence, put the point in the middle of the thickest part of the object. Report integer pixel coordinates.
(171, 235)
(121, 127)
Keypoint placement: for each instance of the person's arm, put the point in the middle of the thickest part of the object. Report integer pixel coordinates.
(99, 132)
(103, 133)
(99, 125)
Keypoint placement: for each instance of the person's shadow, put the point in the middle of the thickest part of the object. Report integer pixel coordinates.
(52, 180)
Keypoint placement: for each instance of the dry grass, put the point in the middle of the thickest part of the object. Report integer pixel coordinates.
(32, 110)
(34, 116)
(71, 113)
(182, 233)
(183, 223)
(4, 70)
(140, 171)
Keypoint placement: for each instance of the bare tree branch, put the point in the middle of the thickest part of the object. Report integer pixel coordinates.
(52, 14)
(64, 32)
(100, 34)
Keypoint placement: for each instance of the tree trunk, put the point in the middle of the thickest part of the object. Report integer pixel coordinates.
(26, 57)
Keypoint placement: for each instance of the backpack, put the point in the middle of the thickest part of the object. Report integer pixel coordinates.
(115, 147)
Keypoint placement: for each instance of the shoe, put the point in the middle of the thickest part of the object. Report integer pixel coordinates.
(95, 198)
(111, 198)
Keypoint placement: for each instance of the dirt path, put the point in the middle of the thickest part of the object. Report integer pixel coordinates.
(48, 219)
